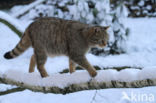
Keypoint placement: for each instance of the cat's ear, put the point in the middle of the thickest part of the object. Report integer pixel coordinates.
(96, 29)
(93, 31)
(106, 27)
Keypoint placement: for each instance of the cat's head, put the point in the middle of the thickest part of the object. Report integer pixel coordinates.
(98, 36)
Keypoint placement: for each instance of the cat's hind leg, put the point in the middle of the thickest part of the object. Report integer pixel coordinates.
(72, 66)
(32, 64)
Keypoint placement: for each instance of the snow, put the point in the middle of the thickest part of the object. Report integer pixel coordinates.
(149, 7)
(141, 3)
(25, 9)
(135, 7)
(140, 53)
(5, 87)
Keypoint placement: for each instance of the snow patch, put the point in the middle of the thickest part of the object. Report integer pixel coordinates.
(26, 8)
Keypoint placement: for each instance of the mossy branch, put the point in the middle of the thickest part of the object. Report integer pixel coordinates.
(13, 90)
(11, 26)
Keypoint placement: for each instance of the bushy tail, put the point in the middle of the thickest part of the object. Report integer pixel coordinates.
(24, 44)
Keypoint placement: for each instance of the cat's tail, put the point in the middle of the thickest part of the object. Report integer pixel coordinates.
(24, 44)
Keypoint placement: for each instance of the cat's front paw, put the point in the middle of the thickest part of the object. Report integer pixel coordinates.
(93, 74)
(44, 75)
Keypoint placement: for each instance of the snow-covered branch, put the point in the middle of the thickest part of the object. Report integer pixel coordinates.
(68, 83)
(27, 8)
(12, 23)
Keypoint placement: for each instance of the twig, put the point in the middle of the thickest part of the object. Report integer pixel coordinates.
(18, 89)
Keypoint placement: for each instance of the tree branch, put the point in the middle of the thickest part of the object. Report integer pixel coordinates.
(12, 27)
(18, 89)
(66, 83)
(12, 23)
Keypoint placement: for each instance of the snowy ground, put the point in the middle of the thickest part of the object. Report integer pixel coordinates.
(140, 52)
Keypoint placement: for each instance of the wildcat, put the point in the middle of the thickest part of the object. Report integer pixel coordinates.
(51, 36)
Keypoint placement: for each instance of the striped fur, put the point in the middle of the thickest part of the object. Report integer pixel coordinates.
(24, 44)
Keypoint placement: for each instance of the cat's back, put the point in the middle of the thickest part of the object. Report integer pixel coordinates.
(52, 28)
(55, 34)
(53, 22)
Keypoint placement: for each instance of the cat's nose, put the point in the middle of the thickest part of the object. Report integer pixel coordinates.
(103, 44)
